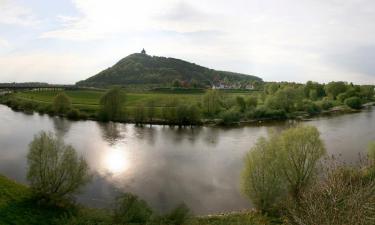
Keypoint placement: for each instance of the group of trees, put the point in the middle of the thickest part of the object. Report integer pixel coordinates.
(286, 177)
(282, 100)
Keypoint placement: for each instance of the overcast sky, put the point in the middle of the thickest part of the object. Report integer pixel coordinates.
(64, 41)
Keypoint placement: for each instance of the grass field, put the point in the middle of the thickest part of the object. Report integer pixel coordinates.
(88, 101)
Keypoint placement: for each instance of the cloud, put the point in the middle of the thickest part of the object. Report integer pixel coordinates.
(359, 60)
(12, 13)
(4, 43)
(276, 40)
(47, 67)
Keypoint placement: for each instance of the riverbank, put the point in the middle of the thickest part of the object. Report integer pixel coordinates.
(85, 105)
(18, 207)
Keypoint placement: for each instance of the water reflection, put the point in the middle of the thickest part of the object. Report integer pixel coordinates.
(115, 160)
(163, 165)
(111, 132)
(61, 126)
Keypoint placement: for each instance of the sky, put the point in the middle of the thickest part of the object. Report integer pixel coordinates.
(64, 41)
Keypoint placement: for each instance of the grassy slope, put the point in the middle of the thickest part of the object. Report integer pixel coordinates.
(17, 207)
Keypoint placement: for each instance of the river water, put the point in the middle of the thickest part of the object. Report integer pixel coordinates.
(166, 166)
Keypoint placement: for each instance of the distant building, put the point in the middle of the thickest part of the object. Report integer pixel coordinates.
(143, 51)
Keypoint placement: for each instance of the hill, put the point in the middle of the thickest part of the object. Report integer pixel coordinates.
(143, 69)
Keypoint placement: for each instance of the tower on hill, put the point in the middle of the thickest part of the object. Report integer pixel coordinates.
(143, 51)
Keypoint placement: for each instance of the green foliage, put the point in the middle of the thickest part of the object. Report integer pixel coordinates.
(151, 110)
(300, 150)
(61, 103)
(178, 216)
(261, 179)
(353, 102)
(229, 117)
(130, 209)
(325, 104)
(55, 172)
(211, 102)
(241, 103)
(140, 114)
(371, 151)
(143, 69)
(74, 114)
(111, 104)
(252, 102)
(285, 163)
(333, 89)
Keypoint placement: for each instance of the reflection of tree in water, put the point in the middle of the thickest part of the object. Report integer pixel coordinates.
(61, 126)
(147, 133)
(212, 136)
(111, 132)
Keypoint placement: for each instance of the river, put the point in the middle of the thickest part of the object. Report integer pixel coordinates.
(166, 166)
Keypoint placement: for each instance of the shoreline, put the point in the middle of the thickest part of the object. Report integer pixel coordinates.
(338, 110)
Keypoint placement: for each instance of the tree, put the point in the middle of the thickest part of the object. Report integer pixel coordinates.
(151, 110)
(176, 83)
(262, 182)
(111, 104)
(241, 103)
(61, 103)
(211, 102)
(300, 150)
(353, 102)
(129, 209)
(139, 114)
(335, 88)
(194, 115)
(55, 171)
(252, 102)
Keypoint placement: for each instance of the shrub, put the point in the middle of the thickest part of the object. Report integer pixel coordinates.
(326, 104)
(74, 114)
(139, 114)
(130, 209)
(262, 182)
(61, 103)
(230, 117)
(55, 172)
(343, 196)
(177, 216)
(111, 104)
(310, 107)
(353, 102)
(300, 150)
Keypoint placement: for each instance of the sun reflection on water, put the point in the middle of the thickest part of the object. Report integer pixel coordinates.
(116, 160)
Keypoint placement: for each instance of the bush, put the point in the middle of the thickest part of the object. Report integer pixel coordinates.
(55, 172)
(263, 112)
(353, 102)
(140, 114)
(300, 150)
(74, 114)
(310, 107)
(325, 104)
(61, 103)
(130, 209)
(111, 104)
(177, 216)
(230, 117)
(343, 196)
(262, 182)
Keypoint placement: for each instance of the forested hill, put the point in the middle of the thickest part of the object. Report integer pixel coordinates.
(144, 69)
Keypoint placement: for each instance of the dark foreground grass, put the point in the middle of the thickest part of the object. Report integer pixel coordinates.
(19, 207)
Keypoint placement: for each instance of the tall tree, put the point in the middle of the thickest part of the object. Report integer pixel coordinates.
(111, 104)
